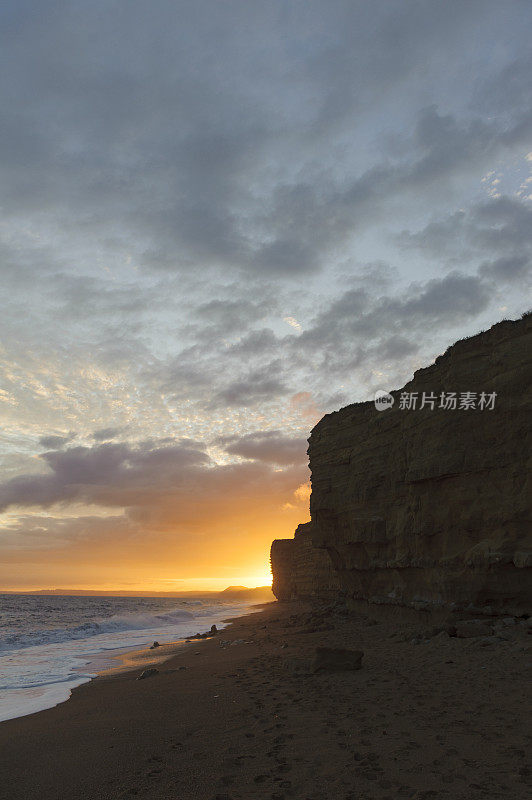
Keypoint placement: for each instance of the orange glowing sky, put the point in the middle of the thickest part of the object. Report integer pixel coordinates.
(214, 532)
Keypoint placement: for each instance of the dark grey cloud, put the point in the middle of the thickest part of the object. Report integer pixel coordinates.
(228, 316)
(273, 447)
(256, 343)
(503, 225)
(361, 332)
(507, 90)
(106, 434)
(257, 386)
(106, 473)
(53, 442)
(496, 234)
(89, 296)
(447, 301)
(196, 162)
(396, 348)
(441, 237)
(150, 490)
(357, 316)
(508, 268)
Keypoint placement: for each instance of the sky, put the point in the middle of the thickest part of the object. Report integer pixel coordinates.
(220, 221)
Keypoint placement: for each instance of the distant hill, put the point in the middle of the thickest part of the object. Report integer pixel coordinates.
(259, 593)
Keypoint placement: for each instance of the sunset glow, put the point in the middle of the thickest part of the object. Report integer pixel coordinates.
(201, 255)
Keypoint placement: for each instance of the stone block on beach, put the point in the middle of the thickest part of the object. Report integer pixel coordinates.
(147, 673)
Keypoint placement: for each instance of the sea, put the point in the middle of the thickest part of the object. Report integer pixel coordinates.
(49, 644)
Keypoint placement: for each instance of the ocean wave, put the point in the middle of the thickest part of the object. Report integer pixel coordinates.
(114, 624)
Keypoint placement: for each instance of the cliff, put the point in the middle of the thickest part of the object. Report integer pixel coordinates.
(299, 569)
(429, 507)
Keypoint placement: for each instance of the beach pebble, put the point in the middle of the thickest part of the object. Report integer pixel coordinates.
(147, 673)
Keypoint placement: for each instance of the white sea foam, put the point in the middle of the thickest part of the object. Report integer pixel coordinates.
(114, 624)
(39, 668)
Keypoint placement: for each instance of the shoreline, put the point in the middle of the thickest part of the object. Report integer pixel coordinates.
(427, 716)
(22, 701)
(148, 657)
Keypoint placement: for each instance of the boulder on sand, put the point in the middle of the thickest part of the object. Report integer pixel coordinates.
(147, 673)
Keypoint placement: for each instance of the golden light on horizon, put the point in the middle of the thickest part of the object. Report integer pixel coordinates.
(260, 579)
(118, 563)
(214, 533)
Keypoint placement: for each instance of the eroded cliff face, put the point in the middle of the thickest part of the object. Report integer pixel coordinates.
(431, 507)
(300, 569)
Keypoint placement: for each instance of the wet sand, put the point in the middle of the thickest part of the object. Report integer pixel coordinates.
(241, 716)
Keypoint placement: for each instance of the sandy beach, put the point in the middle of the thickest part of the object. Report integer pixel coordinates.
(242, 716)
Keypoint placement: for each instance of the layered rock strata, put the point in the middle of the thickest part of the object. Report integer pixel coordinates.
(430, 506)
(301, 570)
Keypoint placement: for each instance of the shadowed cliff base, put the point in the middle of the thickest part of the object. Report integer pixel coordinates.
(427, 503)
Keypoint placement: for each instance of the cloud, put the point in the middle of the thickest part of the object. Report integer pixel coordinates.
(357, 317)
(55, 442)
(225, 317)
(153, 503)
(497, 234)
(105, 434)
(444, 301)
(261, 342)
(507, 268)
(257, 386)
(271, 447)
(218, 167)
(503, 224)
(106, 474)
(352, 334)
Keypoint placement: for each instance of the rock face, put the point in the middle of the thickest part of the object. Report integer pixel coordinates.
(301, 570)
(430, 506)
